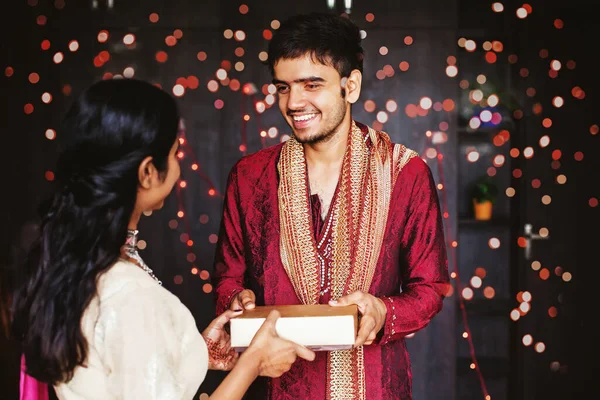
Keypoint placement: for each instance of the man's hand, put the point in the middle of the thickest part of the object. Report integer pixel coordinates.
(373, 312)
(244, 300)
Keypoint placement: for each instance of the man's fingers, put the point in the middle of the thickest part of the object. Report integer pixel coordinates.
(367, 324)
(304, 352)
(247, 299)
(371, 338)
(352, 298)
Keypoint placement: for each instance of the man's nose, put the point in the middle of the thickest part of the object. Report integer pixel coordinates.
(296, 99)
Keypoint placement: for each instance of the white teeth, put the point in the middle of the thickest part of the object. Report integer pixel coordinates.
(306, 117)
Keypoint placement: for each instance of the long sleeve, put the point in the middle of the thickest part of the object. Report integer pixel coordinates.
(230, 263)
(425, 274)
(151, 347)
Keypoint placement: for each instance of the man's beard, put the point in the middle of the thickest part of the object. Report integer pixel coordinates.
(329, 130)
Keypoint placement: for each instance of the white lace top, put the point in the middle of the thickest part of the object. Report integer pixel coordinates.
(143, 343)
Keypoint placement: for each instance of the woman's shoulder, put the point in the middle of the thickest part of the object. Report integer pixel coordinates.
(125, 279)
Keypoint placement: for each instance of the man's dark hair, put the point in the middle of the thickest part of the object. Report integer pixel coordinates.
(330, 39)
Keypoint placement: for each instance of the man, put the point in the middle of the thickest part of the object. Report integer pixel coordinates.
(337, 214)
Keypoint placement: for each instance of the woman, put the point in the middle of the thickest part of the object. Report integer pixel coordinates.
(93, 318)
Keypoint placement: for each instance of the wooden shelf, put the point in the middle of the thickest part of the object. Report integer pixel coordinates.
(465, 222)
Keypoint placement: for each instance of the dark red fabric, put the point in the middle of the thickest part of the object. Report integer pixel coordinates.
(411, 273)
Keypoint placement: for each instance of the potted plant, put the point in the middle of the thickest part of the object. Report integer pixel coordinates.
(483, 194)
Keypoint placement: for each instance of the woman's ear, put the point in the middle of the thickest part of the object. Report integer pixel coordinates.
(146, 173)
(353, 85)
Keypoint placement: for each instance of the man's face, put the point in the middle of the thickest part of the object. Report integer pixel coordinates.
(310, 98)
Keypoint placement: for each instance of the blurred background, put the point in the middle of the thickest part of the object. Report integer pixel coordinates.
(501, 99)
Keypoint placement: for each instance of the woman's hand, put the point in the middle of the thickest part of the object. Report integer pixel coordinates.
(273, 355)
(220, 354)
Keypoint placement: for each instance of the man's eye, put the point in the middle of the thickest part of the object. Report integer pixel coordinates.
(312, 87)
(282, 89)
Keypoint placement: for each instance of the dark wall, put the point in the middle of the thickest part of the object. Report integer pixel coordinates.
(216, 135)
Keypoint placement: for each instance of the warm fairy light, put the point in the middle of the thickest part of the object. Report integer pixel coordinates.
(470, 45)
(382, 117)
(476, 95)
(593, 202)
(272, 132)
(544, 274)
(515, 315)
(493, 100)
(526, 296)
(540, 347)
(227, 33)
(528, 152)
(451, 71)
(536, 265)
(180, 214)
(50, 134)
(485, 116)
(487, 45)
(544, 141)
(467, 293)
(494, 243)
(46, 98)
(212, 85)
(546, 199)
(578, 156)
(141, 244)
(474, 123)
(552, 312)
(497, 7)
(524, 307)
(240, 35)
(555, 65)
(263, 56)
(244, 9)
(73, 45)
(383, 50)
(153, 18)
(472, 156)
(128, 72)
(558, 101)
(465, 335)
(102, 36)
(567, 277)
(239, 66)
(129, 39)
(521, 13)
(178, 90)
(58, 57)
(527, 340)
(173, 224)
(476, 282)
(408, 40)
(510, 192)
(403, 66)
(391, 106)
(489, 292)
(561, 179)
(425, 103)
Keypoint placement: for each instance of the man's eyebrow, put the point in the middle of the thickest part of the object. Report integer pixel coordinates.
(300, 80)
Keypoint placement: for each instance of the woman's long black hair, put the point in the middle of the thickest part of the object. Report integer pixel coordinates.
(110, 129)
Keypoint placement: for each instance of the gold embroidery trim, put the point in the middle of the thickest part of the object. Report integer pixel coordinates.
(358, 226)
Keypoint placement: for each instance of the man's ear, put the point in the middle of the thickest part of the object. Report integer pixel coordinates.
(146, 173)
(352, 86)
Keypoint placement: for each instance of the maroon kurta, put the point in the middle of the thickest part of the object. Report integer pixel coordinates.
(410, 276)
